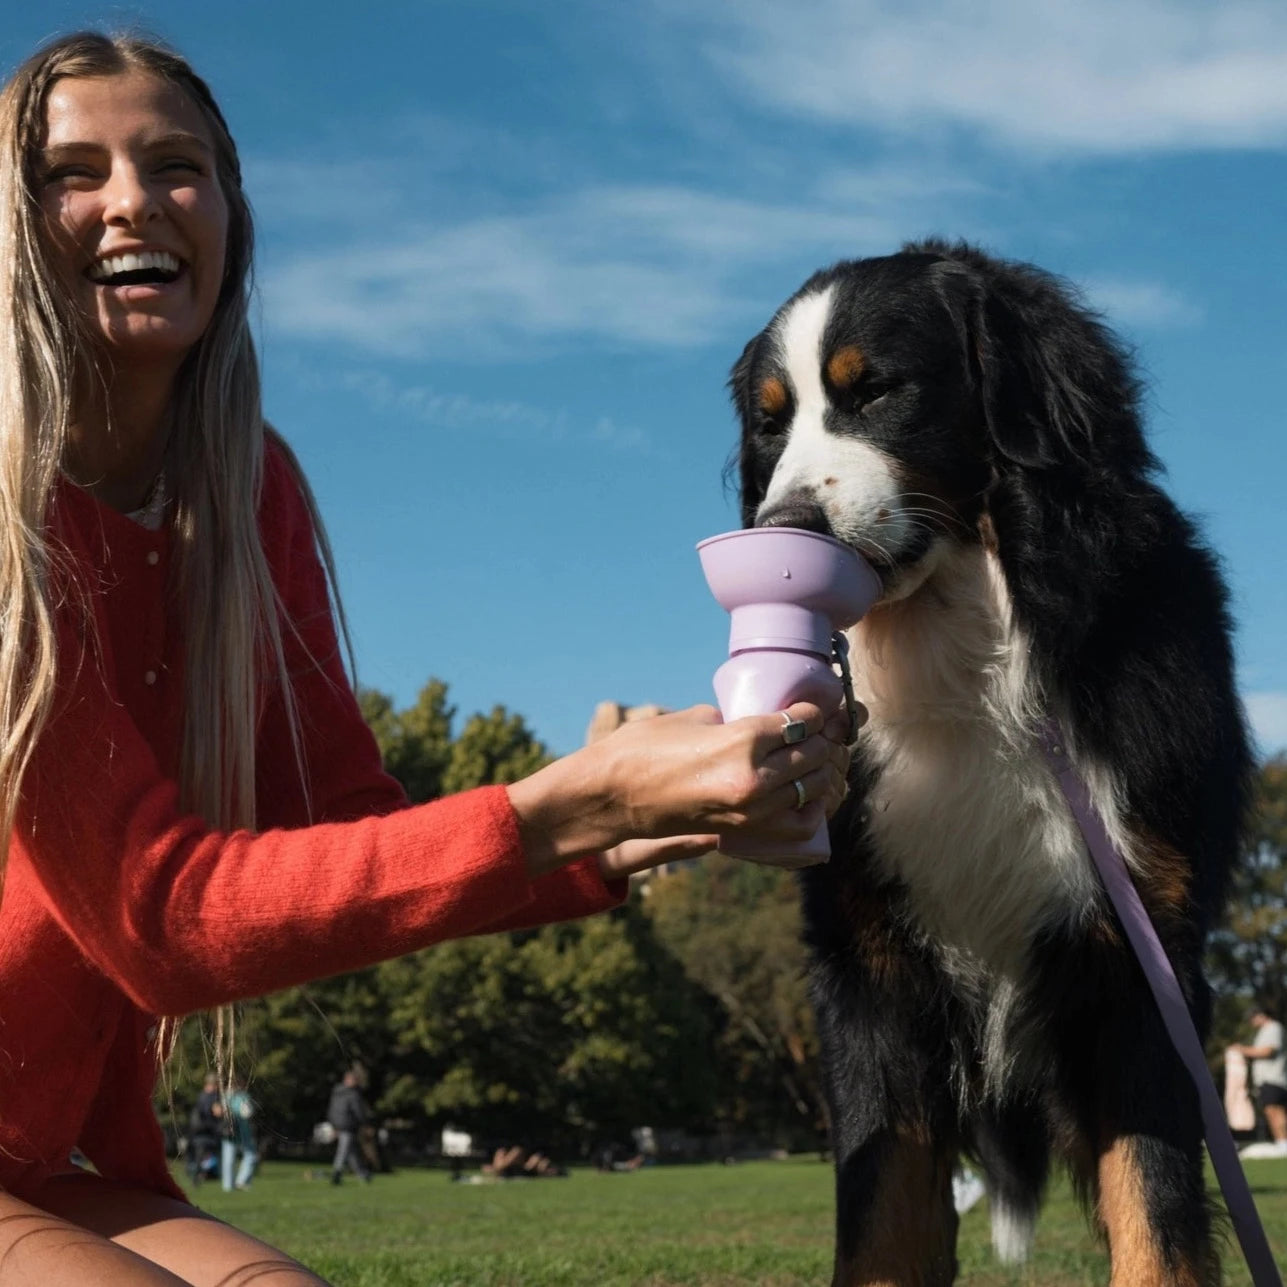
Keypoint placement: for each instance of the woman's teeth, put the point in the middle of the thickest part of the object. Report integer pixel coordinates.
(159, 265)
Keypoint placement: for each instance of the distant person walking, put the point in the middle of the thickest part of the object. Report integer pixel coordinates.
(348, 1112)
(205, 1126)
(1269, 1077)
(239, 1138)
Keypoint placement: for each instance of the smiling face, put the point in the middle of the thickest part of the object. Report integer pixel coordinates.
(860, 420)
(136, 217)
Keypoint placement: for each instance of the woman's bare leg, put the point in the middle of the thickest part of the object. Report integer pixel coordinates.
(40, 1250)
(161, 1234)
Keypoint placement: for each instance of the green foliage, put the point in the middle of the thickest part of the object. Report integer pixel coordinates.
(415, 743)
(736, 929)
(568, 1034)
(1247, 957)
(419, 748)
(291, 1047)
(492, 748)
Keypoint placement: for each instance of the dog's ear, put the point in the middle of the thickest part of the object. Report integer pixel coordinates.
(1056, 385)
(1070, 468)
(741, 462)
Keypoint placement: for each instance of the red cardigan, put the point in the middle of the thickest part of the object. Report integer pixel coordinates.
(118, 907)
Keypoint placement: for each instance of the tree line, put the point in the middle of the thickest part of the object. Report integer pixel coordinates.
(684, 1010)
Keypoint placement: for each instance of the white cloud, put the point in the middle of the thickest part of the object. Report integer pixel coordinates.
(656, 266)
(1099, 76)
(652, 265)
(1268, 714)
(1139, 303)
(500, 417)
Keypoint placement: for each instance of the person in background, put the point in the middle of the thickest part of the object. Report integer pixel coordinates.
(205, 1129)
(239, 1139)
(1239, 1108)
(1269, 1077)
(349, 1113)
(193, 809)
(518, 1163)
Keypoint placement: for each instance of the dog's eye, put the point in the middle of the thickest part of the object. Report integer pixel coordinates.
(772, 424)
(864, 395)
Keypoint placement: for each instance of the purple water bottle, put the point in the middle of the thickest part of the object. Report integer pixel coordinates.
(787, 592)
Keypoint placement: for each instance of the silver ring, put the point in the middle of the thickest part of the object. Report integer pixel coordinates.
(793, 730)
(801, 795)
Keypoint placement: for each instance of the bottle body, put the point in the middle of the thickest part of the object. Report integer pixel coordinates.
(760, 681)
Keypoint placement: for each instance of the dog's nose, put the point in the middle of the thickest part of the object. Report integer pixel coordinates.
(795, 510)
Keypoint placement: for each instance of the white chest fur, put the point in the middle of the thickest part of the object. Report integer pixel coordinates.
(964, 811)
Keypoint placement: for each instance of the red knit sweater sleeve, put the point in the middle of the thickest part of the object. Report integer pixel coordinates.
(184, 917)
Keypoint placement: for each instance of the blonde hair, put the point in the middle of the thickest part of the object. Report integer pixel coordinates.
(214, 462)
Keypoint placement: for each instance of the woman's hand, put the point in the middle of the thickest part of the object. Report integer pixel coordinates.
(685, 774)
(632, 856)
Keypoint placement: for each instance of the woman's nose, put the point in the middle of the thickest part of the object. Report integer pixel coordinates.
(129, 200)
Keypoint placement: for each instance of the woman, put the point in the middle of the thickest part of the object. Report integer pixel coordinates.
(195, 810)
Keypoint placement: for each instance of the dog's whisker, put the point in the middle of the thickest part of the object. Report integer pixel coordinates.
(936, 507)
(925, 520)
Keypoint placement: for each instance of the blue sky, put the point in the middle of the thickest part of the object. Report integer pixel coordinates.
(508, 252)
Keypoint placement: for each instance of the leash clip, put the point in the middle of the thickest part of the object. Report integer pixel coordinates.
(840, 661)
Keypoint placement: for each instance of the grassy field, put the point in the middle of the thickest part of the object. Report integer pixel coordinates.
(767, 1223)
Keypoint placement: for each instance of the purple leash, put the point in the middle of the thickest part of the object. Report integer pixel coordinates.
(1170, 1001)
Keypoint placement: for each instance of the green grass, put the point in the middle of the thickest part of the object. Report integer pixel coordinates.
(767, 1223)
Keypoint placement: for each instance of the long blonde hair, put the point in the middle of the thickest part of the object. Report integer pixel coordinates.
(214, 462)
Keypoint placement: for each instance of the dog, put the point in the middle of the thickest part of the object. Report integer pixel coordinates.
(972, 429)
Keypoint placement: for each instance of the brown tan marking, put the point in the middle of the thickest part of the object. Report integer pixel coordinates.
(773, 396)
(1162, 877)
(1122, 1210)
(988, 534)
(1163, 880)
(845, 365)
(872, 934)
(909, 1239)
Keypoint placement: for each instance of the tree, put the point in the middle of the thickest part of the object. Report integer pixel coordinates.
(415, 743)
(419, 749)
(1247, 955)
(562, 1036)
(736, 928)
(492, 748)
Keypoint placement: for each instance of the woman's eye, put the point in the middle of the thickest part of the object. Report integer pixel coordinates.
(179, 164)
(60, 173)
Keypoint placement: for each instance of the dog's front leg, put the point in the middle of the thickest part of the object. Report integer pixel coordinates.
(896, 1223)
(1141, 1149)
(894, 1125)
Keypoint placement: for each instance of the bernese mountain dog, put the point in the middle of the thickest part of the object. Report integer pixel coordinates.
(973, 430)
